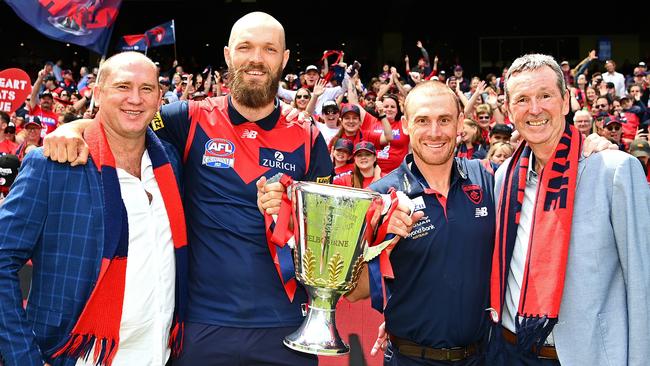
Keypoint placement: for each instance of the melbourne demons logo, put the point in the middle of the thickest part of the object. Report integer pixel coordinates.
(219, 153)
(473, 192)
(158, 33)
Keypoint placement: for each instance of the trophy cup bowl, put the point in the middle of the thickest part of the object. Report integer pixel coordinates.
(328, 257)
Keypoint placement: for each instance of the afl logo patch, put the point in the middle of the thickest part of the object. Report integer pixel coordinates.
(219, 153)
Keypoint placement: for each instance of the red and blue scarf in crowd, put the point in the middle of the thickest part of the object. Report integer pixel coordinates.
(98, 326)
(548, 245)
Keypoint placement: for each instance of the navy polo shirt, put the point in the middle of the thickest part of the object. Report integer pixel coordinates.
(232, 279)
(442, 269)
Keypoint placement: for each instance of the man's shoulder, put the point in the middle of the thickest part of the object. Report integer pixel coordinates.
(609, 160)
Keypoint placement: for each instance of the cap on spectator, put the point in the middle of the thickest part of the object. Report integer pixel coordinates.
(46, 93)
(311, 68)
(501, 128)
(611, 120)
(66, 71)
(640, 73)
(344, 144)
(164, 81)
(642, 64)
(33, 121)
(640, 148)
(602, 115)
(364, 146)
(49, 78)
(442, 72)
(564, 63)
(9, 165)
(458, 68)
(371, 95)
(11, 128)
(199, 95)
(610, 85)
(350, 108)
(330, 105)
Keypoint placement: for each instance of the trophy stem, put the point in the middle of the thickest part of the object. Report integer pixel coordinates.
(317, 334)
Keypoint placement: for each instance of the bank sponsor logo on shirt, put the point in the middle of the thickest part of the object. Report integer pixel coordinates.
(421, 228)
(277, 159)
(157, 122)
(219, 153)
(474, 192)
(396, 134)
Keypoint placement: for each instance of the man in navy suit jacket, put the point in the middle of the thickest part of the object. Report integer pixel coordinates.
(56, 216)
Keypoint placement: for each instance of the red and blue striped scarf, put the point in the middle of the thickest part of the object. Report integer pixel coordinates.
(98, 325)
(548, 245)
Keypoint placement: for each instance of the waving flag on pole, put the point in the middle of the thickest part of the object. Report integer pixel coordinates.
(162, 34)
(133, 42)
(87, 23)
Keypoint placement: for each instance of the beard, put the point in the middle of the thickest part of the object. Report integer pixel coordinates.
(254, 94)
(439, 159)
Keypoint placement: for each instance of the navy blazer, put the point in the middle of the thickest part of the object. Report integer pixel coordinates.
(54, 216)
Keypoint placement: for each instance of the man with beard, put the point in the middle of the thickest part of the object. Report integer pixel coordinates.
(239, 310)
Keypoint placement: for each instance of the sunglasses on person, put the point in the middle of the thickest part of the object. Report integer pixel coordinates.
(305, 96)
(600, 106)
(613, 128)
(484, 117)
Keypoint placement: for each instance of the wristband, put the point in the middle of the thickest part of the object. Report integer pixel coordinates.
(381, 116)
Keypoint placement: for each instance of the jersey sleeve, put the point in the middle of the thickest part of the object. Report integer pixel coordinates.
(321, 169)
(172, 124)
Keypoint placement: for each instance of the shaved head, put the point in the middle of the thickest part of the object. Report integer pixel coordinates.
(256, 19)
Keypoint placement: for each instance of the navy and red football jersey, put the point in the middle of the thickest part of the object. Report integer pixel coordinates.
(233, 281)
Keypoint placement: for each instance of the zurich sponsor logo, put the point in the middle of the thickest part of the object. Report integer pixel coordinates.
(276, 159)
(219, 153)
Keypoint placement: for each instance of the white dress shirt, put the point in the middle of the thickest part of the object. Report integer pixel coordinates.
(150, 274)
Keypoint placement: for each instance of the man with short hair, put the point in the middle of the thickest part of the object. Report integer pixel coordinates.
(32, 137)
(583, 121)
(240, 305)
(616, 78)
(167, 94)
(571, 264)
(107, 240)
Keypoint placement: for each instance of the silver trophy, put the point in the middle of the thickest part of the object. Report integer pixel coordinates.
(329, 254)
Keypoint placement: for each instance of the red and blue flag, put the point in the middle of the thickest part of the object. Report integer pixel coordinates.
(162, 35)
(133, 42)
(87, 23)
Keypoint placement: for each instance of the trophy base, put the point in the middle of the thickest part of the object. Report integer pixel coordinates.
(318, 335)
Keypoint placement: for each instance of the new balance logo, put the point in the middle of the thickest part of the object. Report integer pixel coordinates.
(249, 134)
(481, 212)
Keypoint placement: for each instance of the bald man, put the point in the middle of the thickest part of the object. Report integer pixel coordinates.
(81, 225)
(240, 306)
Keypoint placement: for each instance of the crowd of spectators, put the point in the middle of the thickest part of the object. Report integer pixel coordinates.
(367, 113)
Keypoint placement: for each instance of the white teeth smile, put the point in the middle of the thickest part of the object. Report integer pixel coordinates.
(133, 113)
(436, 146)
(255, 73)
(537, 123)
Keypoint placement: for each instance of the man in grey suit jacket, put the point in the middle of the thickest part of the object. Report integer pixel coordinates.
(580, 294)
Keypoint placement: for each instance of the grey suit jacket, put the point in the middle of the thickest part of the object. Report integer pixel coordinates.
(604, 316)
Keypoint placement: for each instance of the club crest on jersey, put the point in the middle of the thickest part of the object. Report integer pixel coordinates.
(280, 160)
(473, 192)
(219, 153)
